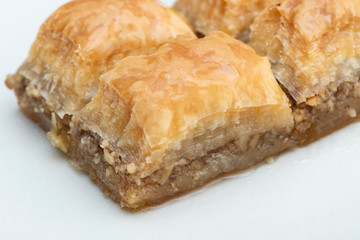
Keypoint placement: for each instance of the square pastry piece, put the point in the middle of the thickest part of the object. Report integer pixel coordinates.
(230, 16)
(314, 48)
(75, 45)
(168, 122)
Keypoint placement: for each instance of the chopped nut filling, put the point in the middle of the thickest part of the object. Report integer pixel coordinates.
(330, 110)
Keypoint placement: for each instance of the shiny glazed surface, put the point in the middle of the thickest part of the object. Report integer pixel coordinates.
(230, 16)
(85, 38)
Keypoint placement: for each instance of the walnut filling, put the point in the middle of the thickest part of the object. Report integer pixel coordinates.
(322, 114)
(123, 182)
(31, 103)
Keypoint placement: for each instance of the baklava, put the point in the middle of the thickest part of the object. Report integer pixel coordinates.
(230, 16)
(314, 48)
(76, 44)
(169, 122)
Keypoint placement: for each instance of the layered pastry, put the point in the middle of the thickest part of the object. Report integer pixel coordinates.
(314, 48)
(230, 16)
(166, 123)
(79, 42)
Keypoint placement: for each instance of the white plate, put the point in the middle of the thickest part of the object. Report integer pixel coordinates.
(308, 193)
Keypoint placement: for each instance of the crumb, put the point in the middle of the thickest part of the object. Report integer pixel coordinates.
(270, 160)
(96, 158)
(108, 172)
(131, 168)
(104, 144)
(313, 101)
(352, 112)
(108, 157)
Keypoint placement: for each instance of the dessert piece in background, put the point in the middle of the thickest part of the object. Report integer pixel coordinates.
(314, 49)
(79, 42)
(230, 16)
(169, 122)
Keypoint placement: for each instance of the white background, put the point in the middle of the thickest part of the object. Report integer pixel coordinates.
(308, 193)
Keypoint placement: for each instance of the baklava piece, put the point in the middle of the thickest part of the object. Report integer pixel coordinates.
(230, 16)
(314, 48)
(75, 45)
(166, 123)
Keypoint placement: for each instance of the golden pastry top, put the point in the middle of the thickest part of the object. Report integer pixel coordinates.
(189, 89)
(101, 28)
(230, 16)
(188, 80)
(310, 43)
(312, 19)
(85, 38)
